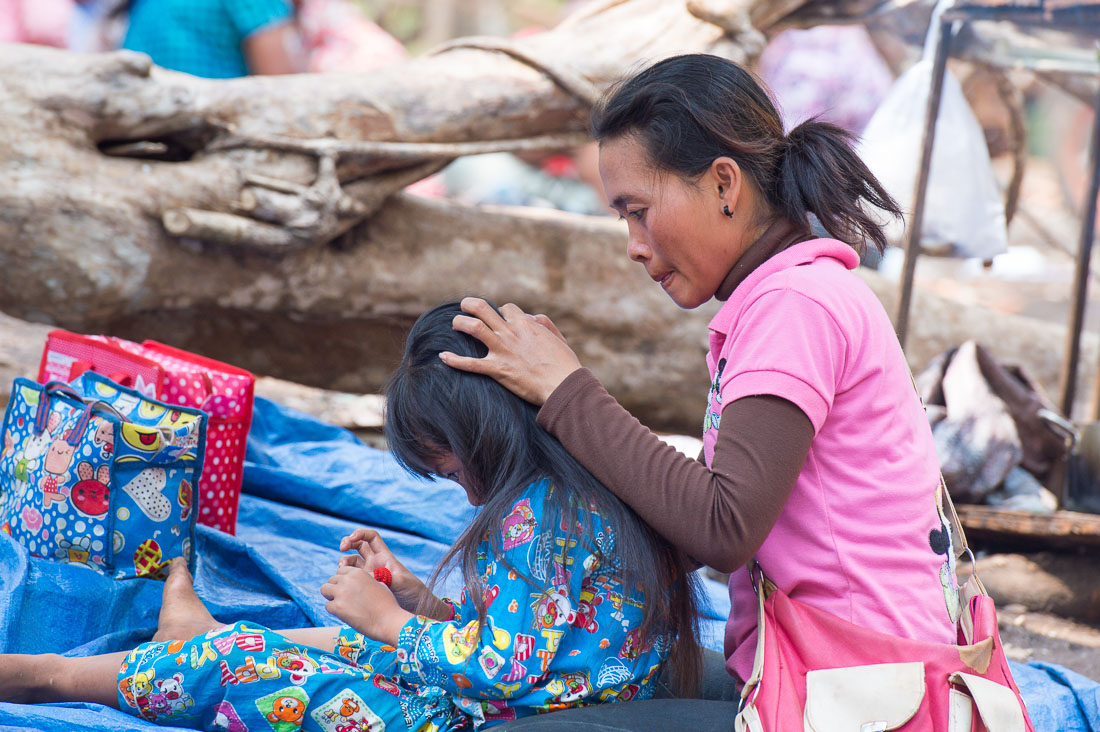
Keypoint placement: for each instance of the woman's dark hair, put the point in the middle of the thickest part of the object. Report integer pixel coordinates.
(432, 408)
(689, 110)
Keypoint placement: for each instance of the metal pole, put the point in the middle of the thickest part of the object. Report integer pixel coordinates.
(912, 248)
(1081, 278)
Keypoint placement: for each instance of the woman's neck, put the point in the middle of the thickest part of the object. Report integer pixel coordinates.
(779, 235)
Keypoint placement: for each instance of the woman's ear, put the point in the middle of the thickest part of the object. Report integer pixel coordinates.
(725, 177)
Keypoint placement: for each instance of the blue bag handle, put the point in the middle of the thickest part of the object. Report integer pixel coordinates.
(42, 416)
(60, 388)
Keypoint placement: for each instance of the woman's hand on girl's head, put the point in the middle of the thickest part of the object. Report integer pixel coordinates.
(527, 353)
(373, 553)
(364, 603)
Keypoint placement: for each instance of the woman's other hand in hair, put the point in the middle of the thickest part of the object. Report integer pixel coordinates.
(527, 353)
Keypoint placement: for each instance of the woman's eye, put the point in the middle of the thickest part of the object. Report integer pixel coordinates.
(636, 215)
(452, 476)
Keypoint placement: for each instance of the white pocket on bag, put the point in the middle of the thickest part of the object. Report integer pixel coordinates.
(873, 698)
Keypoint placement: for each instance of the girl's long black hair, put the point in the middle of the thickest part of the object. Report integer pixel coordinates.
(433, 409)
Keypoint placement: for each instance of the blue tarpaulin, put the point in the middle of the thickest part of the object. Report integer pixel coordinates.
(306, 485)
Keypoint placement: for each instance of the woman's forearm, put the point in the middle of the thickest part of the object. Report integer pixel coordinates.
(719, 516)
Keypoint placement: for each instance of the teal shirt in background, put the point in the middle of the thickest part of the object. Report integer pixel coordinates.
(201, 37)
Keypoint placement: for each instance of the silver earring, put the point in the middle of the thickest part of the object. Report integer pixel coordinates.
(727, 212)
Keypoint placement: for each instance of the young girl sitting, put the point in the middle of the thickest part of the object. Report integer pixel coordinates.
(569, 598)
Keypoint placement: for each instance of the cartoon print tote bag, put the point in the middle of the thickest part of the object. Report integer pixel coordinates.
(98, 475)
(177, 377)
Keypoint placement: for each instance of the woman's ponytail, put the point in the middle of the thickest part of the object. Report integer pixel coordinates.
(820, 173)
(689, 110)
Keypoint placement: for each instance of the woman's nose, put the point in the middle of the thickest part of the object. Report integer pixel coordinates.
(637, 249)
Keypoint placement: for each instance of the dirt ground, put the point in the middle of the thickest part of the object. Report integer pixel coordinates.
(1034, 636)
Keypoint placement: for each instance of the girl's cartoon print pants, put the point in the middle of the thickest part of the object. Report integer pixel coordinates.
(246, 678)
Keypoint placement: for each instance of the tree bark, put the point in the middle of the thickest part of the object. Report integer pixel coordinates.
(101, 157)
(335, 317)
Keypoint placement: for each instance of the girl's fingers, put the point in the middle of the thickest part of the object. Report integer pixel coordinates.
(349, 541)
(327, 590)
(377, 543)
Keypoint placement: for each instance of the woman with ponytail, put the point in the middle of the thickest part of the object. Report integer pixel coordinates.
(818, 461)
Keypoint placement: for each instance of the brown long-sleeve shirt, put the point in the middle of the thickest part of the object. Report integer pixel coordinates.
(719, 515)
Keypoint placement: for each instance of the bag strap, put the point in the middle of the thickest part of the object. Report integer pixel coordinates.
(958, 536)
(52, 388)
(61, 389)
(764, 586)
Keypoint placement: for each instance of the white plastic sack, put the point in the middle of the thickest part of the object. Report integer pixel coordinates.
(964, 213)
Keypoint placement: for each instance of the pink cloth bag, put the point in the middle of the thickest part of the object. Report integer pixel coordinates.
(225, 393)
(815, 671)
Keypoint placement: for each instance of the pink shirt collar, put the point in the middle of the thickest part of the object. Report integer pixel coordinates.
(793, 256)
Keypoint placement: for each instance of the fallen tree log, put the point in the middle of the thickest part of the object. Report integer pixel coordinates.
(336, 317)
(106, 157)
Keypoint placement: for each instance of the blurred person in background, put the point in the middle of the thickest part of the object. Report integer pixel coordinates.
(339, 37)
(831, 72)
(217, 39)
(44, 22)
(98, 25)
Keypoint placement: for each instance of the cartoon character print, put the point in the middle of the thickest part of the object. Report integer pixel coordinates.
(226, 719)
(186, 499)
(59, 457)
(141, 689)
(633, 646)
(158, 706)
(570, 687)
(518, 527)
(713, 416)
(285, 709)
(147, 561)
(296, 663)
(172, 690)
(145, 489)
(939, 539)
(77, 551)
(458, 644)
(91, 495)
(125, 403)
(35, 448)
(8, 449)
(104, 438)
(386, 685)
(347, 712)
(584, 615)
(552, 608)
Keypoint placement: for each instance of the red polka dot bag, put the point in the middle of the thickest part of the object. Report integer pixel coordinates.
(181, 378)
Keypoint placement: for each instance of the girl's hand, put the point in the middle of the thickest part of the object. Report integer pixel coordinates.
(527, 353)
(365, 604)
(372, 554)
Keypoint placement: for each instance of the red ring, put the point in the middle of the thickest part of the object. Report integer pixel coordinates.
(383, 575)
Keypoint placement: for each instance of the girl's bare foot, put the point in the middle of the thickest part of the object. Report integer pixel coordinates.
(182, 614)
